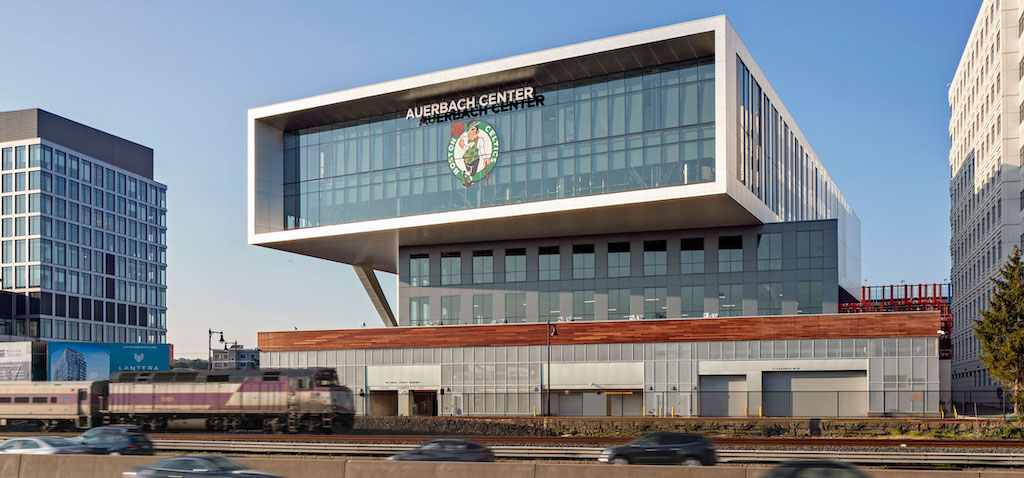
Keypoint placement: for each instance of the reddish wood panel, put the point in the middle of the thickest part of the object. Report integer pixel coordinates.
(896, 324)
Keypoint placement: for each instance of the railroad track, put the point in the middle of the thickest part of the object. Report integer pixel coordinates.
(591, 453)
(574, 440)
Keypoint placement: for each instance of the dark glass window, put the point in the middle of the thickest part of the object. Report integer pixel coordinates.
(549, 306)
(618, 304)
(483, 267)
(654, 303)
(515, 265)
(419, 270)
(515, 307)
(419, 310)
(810, 249)
(451, 306)
(692, 301)
(769, 298)
(583, 261)
(809, 297)
(618, 259)
(583, 304)
(691, 256)
(730, 254)
(451, 268)
(730, 300)
(483, 308)
(769, 252)
(549, 263)
(655, 259)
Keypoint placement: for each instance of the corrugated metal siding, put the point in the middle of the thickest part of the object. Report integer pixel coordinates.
(37, 123)
(21, 124)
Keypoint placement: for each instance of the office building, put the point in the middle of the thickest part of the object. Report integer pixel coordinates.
(986, 200)
(70, 366)
(646, 196)
(236, 357)
(84, 233)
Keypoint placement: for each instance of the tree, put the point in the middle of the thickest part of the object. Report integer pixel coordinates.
(1001, 329)
(199, 364)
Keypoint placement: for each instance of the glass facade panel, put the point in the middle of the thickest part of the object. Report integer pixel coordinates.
(450, 309)
(583, 261)
(587, 138)
(515, 265)
(769, 298)
(483, 267)
(730, 297)
(730, 254)
(655, 258)
(483, 308)
(549, 263)
(515, 307)
(618, 259)
(769, 252)
(655, 303)
(691, 256)
(549, 306)
(419, 309)
(618, 304)
(451, 268)
(583, 304)
(419, 270)
(692, 301)
(809, 297)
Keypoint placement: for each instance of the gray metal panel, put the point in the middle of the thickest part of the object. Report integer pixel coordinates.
(37, 123)
(815, 394)
(15, 125)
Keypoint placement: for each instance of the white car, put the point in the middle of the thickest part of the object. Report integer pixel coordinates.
(41, 446)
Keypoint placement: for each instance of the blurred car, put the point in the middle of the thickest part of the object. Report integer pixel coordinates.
(447, 449)
(663, 449)
(117, 440)
(815, 469)
(42, 446)
(194, 466)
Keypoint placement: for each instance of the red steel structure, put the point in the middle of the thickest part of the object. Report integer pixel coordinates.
(905, 298)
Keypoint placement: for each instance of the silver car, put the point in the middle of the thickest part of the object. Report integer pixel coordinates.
(42, 446)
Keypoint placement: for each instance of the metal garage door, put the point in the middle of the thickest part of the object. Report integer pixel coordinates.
(815, 394)
(723, 395)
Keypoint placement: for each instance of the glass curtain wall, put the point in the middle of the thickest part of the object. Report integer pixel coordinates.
(640, 129)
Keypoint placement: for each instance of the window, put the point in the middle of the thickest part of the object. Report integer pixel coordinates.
(483, 267)
(549, 263)
(419, 270)
(419, 310)
(515, 265)
(515, 307)
(654, 303)
(1020, 25)
(769, 252)
(8, 159)
(809, 297)
(655, 260)
(618, 259)
(769, 299)
(483, 309)
(691, 256)
(730, 254)
(810, 249)
(451, 306)
(618, 304)
(583, 304)
(20, 399)
(730, 300)
(692, 301)
(549, 306)
(451, 268)
(583, 261)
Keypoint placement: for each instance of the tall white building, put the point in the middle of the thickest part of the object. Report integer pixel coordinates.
(986, 201)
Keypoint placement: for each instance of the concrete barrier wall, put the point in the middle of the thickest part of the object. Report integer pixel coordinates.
(91, 466)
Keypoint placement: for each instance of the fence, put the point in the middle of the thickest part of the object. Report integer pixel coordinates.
(703, 403)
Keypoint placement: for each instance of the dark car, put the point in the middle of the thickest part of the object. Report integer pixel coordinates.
(814, 469)
(447, 449)
(193, 466)
(663, 449)
(117, 440)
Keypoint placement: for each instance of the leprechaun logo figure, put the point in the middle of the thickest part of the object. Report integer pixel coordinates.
(472, 151)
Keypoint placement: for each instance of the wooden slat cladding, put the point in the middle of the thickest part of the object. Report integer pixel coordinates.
(896, 324)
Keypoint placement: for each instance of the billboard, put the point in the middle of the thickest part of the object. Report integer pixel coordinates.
(71, 361)
(15, 361)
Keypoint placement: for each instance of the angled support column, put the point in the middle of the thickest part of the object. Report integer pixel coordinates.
(369, 280)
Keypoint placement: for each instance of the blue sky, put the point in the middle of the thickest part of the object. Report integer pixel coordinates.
(865, 81)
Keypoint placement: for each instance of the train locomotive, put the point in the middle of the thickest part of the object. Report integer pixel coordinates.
(275, 401)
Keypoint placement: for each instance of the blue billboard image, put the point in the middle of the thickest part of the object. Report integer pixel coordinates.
(77, 361)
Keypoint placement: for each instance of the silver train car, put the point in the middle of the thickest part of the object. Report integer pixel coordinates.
(276, 401)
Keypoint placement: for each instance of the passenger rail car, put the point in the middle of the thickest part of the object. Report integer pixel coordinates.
(294, 400)
(289, 400)
(52, 405)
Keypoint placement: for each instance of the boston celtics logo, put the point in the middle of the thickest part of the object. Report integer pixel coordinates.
(472, 151)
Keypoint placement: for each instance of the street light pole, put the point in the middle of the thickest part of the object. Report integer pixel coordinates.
(209, 345)
(550, 332)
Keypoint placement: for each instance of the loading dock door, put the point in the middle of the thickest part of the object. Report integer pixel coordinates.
(723, 395)
(383, 403)
(815, 394)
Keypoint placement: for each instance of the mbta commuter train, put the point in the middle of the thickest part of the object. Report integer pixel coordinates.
(276, 401)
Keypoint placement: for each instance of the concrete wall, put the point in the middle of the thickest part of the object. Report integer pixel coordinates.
(87, 466)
